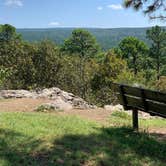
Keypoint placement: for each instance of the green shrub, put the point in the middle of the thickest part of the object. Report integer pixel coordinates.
(46, 108)
(120, 114)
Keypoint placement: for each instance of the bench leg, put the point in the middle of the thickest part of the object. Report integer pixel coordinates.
(135, 119)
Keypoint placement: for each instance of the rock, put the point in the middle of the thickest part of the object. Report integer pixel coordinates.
(7, 94)
(62, 105)
(51, 93)
(119, 107)
(108, 107)
(59, 99)
(114, 108)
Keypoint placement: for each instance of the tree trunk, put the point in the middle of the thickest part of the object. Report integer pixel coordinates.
(135, 65)
(158, 61)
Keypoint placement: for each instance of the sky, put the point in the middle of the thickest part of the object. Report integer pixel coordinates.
(71, 13)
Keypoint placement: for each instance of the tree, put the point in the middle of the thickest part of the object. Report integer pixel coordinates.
(154, 8)
(82, 44)
(132, 49)
(108, 70)
(4, 73)
(157, 35)
(47, 64)
(8, 33)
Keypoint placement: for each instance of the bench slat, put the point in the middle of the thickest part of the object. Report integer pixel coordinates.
(151, 95)
(135, 91)
(155, 108)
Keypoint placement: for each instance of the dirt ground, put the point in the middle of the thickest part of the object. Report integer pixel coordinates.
(28, 105)
(99, 115)
(20, 105)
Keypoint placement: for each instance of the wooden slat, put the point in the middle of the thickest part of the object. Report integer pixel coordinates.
(156, 96)
(135, 102)
(134, 91)
(157, 108)
(148, 94)
(152, 102)
(153, 107)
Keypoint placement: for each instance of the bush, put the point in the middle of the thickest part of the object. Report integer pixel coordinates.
(47, 108)
(161, 84)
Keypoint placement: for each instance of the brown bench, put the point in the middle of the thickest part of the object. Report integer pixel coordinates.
(134, 98)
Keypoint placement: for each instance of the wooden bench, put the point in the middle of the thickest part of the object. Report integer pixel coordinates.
(134, 98)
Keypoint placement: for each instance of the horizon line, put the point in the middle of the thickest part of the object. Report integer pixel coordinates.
(72, 27)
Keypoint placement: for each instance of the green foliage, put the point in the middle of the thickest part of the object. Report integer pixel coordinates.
(43, 108)
(69, 76)
(8, 33)
(79, 65)
(120, 114)
(161, 84)
(47, 108)
(157, 35)
(154, 8)
(130, 78)
(133, 50)
(82, 43)
(108, 71)
(46, 61)
(107, 38)
(4, 74)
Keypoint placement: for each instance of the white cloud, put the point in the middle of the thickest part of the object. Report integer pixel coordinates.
(115, 6)
(99, 8)
(54, 23)
(17, 3)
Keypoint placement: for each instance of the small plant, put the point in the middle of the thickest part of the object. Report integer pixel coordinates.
(120, 114)
(47, 108)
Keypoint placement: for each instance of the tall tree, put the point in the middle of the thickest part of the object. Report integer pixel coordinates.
(46, 63)
(107, 71)
(133, 50)
(8, 33)
(154, 8)
(157, 35)
(84, 45)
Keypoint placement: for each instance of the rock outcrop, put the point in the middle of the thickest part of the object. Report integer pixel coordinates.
(120, 108)
(60, 99)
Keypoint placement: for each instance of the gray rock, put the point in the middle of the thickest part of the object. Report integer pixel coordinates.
(6, 94)
(60, 99)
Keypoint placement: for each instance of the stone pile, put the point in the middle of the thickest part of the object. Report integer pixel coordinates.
(58, 98)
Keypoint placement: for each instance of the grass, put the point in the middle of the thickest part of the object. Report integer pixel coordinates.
(47, 108)
(45, 139)
(123, 119)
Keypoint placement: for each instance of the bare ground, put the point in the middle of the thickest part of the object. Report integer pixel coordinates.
(99, 115)
(20, 105)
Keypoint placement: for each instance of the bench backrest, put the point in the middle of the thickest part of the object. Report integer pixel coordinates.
(152, 102)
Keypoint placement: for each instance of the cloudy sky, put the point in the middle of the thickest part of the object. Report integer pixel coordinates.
(71, 13)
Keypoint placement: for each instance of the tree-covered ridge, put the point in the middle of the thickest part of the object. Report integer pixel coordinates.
(80, 66)
(107, 38)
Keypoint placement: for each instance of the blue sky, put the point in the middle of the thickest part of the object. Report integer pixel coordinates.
(71, 13)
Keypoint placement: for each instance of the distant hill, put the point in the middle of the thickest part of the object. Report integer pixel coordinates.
(107, 38)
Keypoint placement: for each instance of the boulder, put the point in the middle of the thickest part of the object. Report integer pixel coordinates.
(7, 94)
(114, 107)
(59, 98)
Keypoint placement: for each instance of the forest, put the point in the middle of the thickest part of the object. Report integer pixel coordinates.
(107, 38)
(80, 65)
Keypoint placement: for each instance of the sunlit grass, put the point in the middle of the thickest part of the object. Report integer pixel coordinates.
(40, 139)
(121, 118)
